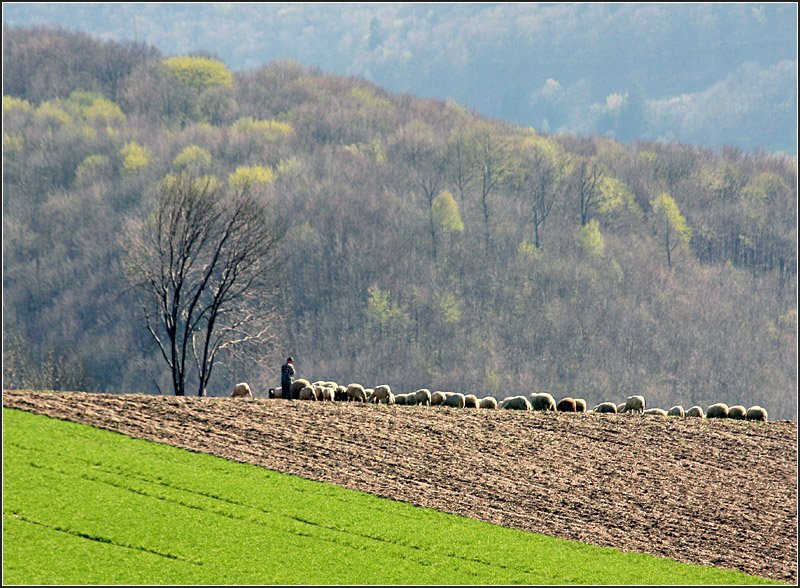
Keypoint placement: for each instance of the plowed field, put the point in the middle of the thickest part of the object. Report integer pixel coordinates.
(714, 492)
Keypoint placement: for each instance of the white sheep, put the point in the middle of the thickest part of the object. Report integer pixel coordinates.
(324, 393)
(655, 412)
(298, 385)
(676, 411)
(307, 393)
(409, 399)
(543, 401)
(634, 404)
(737, 412)
(756, 413)
(437, 398)
(241, 390)
(454, 400)
(717, 411)
(605, 407)
(697, 412)
(580, 405)
(382, 393)
(488, 402)
(340, 393)
(356, 393)
(516, 403)
(470, 401)
(423, 396)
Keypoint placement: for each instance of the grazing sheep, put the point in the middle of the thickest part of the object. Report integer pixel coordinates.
(620, 407)
(580, 405)
(241, 390)
(409, 399)
(696, 411)
(756, 413)
(488, 402)
(340, 394)
(470, 401)
(634, 404)
(437, 398)
(737, 412)
(655, 412)
(676, 411)
(606, 408)
(325, 393)
(717, 411)
(380, 394)
(454, 400)
(423, 396)
(516, 403)
(356, 393)
(543, 401)
(297, 386)
(307, 393)
(567, 405)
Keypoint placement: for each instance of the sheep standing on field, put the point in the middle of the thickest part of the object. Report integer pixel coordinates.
(307, 393)
(488, 402)
(324, 393)
(340, 394)
(356, 393)
(409, 399)
(437, 398)
(543, 401)
(454, 400)
(676, 411)
(516, 403)
(634, 404)
(381, 394)
(606, 408)
(567, 405)
(656, 412)
(470, 401)
(241, 390)
(756, 413)
(696, 411)
(423, 397)
(580, 405)
(737, 412)
(297, 386)
(717, 411)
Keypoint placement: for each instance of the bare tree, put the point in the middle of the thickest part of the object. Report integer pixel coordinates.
(205, 267)
(541, 186)
(587, 176)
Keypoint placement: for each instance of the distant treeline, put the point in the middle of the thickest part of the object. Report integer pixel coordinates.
(426, 246)
(712, 74)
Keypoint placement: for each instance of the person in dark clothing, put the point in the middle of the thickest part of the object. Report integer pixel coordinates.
(287, 371)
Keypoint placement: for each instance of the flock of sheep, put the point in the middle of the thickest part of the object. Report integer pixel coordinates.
(331, 391)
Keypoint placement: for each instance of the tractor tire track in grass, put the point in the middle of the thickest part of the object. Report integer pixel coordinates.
(715, 492)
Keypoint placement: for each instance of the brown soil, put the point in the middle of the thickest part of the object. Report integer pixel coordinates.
(714, 492)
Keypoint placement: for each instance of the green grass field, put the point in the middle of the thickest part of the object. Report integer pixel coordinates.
(87, 506)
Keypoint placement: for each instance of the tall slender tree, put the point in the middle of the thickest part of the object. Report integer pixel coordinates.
(204, 266)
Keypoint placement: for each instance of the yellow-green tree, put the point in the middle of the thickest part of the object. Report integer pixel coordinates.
(591, 239)
(444, 210)
(206, 86)
(671, 223)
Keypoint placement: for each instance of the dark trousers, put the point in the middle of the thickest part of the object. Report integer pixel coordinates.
(286, 390)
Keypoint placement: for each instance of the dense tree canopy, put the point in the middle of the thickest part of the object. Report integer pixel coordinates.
(424, 245)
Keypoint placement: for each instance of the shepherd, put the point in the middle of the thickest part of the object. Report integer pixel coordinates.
(287, 371)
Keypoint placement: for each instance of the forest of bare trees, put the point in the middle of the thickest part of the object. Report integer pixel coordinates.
(422, 244)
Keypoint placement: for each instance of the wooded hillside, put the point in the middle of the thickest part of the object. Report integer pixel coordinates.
(426, 246)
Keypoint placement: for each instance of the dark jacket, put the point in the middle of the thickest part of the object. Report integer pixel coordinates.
(287, 371)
